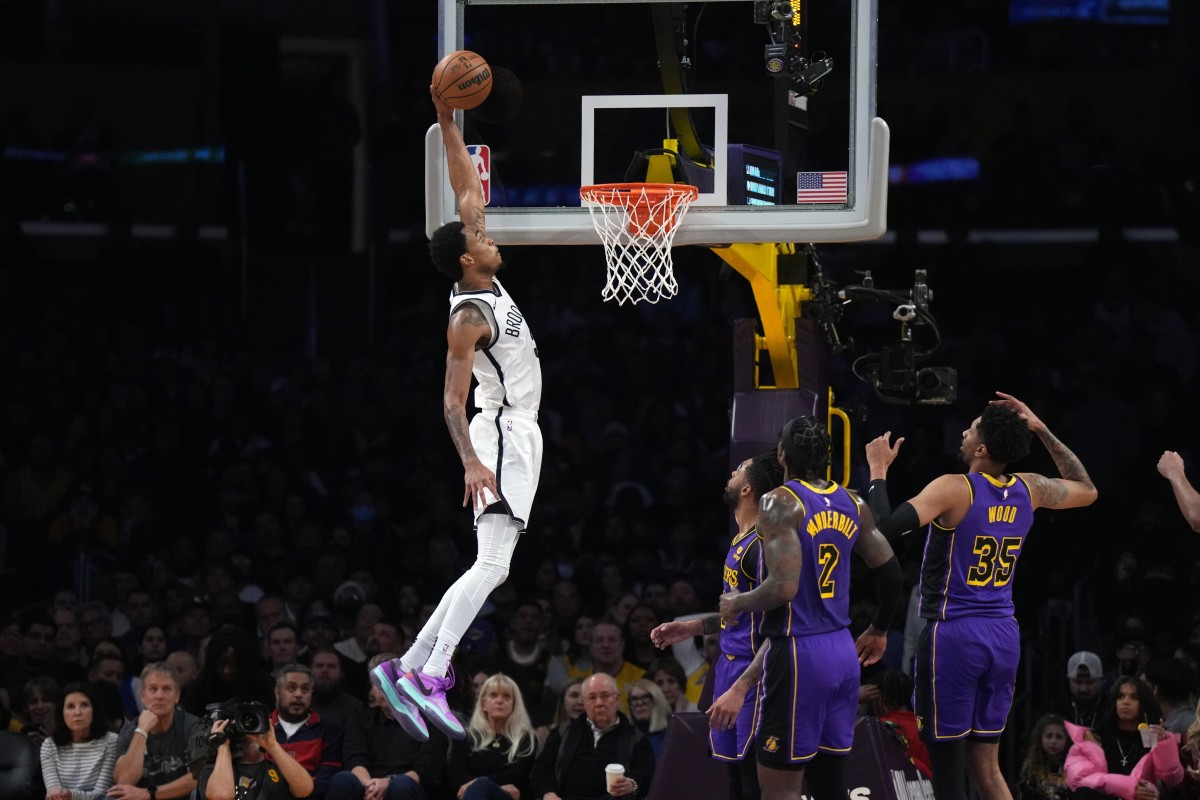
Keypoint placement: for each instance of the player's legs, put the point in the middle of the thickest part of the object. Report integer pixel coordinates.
(781, 784)
(944, 700)
(497, 537)
(827, 778)
(983, 761)
(744, 778)
(949, 763)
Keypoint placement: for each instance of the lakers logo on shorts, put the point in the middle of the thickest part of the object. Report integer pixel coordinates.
(772, 744)
(920, 722)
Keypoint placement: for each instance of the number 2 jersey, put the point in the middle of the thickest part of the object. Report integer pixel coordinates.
(968, 570)
(827, 535)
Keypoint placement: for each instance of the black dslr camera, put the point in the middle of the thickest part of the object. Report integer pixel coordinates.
(244, 718)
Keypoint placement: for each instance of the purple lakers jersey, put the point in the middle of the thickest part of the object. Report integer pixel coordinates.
(968, 570)
(744, 570)
(827, 535)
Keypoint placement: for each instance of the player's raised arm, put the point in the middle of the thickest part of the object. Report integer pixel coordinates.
(1075, 488)
(1170, 466)
(464, 180)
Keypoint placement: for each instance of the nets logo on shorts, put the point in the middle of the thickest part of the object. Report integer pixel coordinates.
(771, 745)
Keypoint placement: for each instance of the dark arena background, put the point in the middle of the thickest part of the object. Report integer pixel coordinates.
(222, 341)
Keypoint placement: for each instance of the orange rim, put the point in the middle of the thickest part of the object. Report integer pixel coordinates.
(622, 193)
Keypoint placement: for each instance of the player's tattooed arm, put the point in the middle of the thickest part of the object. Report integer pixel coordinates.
(468, 330)
(1075, 487)
(1072, 490)
(778, 516)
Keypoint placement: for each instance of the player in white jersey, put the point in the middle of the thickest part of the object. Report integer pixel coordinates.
(501, 448)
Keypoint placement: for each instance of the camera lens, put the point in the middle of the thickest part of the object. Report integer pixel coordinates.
(928, 381)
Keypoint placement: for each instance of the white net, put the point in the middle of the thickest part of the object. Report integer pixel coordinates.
(637, 222)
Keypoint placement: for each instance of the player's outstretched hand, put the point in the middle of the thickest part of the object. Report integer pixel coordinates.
(881, 453)
(672, 632)
(723, 713)
(1023, 411)
(1170, 464)
(870, 646)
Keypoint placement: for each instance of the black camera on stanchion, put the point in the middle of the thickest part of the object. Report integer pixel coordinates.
(250, 718)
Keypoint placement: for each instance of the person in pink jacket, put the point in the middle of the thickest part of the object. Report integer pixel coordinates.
(1112, 759)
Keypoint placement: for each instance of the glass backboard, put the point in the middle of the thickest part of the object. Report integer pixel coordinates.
(769, 105)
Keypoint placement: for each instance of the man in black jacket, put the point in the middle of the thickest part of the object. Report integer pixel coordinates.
(571, 766)
(382, 762)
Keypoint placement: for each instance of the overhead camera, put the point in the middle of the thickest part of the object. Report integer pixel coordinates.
(784, 55)
(897, 373)
(249, 718)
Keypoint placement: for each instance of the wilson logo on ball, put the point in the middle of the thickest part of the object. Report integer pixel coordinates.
(476, 79)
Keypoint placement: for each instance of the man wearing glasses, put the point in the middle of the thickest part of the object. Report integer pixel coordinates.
(571, 765)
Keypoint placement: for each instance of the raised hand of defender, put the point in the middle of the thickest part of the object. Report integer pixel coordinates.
(1023, 411)
(1170, 464)
(881, 453)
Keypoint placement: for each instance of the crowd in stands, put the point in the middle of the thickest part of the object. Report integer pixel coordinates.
(178, 489)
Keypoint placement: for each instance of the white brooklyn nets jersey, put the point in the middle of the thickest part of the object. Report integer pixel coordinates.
(507, 369)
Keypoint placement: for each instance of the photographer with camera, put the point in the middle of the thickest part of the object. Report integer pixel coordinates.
(240, 771)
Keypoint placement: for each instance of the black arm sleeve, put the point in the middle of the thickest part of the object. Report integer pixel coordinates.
(877, 499)
(901, 521)
(889, 582)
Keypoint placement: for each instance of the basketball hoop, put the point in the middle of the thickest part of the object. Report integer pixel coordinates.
(637, 223)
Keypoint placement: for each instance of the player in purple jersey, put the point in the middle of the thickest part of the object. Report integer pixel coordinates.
(967, 656)
(733, 726)
(810, 664)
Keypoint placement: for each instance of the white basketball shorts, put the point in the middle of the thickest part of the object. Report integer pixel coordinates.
(509, 442)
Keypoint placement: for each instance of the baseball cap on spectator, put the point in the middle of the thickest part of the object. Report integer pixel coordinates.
(1084, 665)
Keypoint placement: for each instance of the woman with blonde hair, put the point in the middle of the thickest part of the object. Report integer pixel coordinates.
(493, 762)
(649, 712)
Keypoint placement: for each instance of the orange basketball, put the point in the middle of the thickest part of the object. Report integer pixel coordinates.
(463, 79)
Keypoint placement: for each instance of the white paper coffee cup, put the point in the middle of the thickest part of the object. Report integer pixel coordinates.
(611, 773)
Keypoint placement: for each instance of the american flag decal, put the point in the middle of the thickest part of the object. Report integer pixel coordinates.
(821, 187)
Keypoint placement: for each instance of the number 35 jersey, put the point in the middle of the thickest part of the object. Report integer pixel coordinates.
(827, 535)
(968, 570)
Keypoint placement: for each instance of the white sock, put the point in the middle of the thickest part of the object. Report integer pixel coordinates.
(497, 536)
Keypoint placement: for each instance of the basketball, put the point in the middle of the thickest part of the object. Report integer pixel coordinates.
(463, 79)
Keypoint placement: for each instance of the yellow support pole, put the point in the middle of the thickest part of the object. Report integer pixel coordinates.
(845, 418)
(778, 306)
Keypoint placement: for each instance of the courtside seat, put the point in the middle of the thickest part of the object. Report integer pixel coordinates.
(19, 768)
